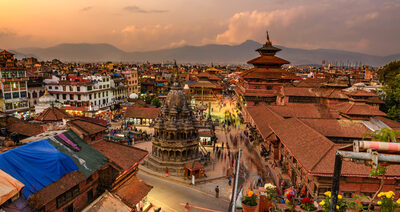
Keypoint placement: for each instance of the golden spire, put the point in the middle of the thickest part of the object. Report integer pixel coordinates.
(268, 43)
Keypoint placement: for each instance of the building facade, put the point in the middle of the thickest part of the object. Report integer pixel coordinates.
(13, 84)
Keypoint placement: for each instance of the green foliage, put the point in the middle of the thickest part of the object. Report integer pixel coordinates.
(380, 170)
(383, 135)
(390, 77)
(250, 199)
(156, 102)
(147, 99)
(389, 72)
(356, 204)
(386, 202)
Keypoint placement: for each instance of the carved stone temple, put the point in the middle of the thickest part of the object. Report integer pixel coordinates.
(176, 138)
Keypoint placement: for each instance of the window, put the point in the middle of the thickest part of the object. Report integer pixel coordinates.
(90, 96)
(23, 94)
(64, 89)
(7, 96)
(67, 196)
(78, 88)
(89, 88)
(15, 85)
(9, 106)
(348, 194)
(71, 96)
(95, 95)
(70, 88)
(103, 94)
(22, 84)
(89, 179)
(64, 96)
(6, 85)
(90, 196)
(79, 97)
(50, 87)
(56, 88)
(15, 95)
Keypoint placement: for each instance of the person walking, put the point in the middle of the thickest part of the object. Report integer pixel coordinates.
(187, 206)
(217, 192)
(229, 180)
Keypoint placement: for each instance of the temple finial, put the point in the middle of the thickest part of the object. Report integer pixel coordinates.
(268, 43)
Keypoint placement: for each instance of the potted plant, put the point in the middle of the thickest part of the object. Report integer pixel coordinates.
(307, 204)
(325, 203)
(290, 202)
(270, 193)
(249, 202)
(386, 201)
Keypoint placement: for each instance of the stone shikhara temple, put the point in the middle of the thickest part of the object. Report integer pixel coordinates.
(176, 138)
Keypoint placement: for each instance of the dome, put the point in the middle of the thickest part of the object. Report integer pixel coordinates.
(47, 98)
(133, 96)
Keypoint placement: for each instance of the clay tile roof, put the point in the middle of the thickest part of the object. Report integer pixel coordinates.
(52, 114)
(107, 202)
(353, 108)
(298, 91)
(204, 84)
(268, 60)
(363, 93)
(132, 191)
(144, 113)
(270, 73)
(310, 83)
(23, 127)
(262, 116)
(122, 155)
(338, 128)
(5, 52)
(95, 120)
(208, 75)
(59, 187)
(326, 165)
(88, 127)
(299, 139)
(303, 111)
(395, 125)
(332, 93)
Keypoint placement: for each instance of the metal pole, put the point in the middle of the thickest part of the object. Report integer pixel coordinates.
(234, 193)
(368, 156)
(336, 182)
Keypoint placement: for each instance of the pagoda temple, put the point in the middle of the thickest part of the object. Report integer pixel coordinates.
(262, 82)
(176, 139)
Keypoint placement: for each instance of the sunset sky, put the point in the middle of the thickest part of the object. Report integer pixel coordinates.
(368, 26)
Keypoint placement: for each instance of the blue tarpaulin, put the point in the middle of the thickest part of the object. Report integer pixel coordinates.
(36, 165)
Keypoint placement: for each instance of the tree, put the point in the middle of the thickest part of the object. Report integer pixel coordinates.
(389, 75)
(156, 102)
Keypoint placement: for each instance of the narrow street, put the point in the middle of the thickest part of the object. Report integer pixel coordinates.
(172, 196)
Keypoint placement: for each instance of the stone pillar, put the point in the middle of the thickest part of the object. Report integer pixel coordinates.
(174, 155)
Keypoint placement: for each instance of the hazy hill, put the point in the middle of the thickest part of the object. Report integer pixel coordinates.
(84, 52)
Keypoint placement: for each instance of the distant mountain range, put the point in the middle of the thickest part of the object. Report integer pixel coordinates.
(225, 54)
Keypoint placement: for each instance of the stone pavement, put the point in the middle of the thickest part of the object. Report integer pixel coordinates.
(216, 172)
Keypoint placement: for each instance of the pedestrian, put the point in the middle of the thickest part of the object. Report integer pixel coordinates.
(229, 180)
(167, 172)
(223, 145)
(187, 206)
(217, 192)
